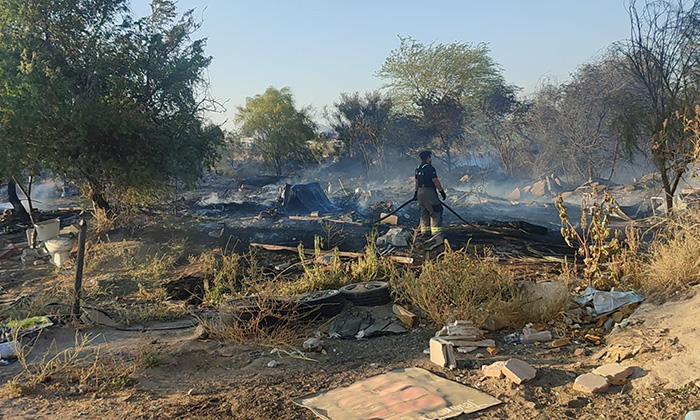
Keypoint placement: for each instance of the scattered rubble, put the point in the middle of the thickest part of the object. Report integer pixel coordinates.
(614, 372)
(494, 370)
(591, 383)
(313, 344)
(518, 371)
(442, 353)
(406, 317)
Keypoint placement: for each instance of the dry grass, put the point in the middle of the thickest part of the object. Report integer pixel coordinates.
(268, 323)
(321, 273)
(228, 275)
(141, 313)
(83, 367)
(459, 286)
(329, 272)
(148, 356)
(37, 304)
(673, 260)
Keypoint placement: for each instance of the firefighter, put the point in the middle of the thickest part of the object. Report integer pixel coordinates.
(426, 192)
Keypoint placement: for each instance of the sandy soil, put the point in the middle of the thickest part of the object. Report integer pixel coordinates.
(210, 379)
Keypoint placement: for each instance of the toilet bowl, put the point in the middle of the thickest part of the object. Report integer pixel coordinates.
(59, 248)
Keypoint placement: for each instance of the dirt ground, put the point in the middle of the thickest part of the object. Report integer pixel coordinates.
(209, 379)
(215, 379)
(176, 374)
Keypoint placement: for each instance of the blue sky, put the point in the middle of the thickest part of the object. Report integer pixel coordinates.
(322, 48)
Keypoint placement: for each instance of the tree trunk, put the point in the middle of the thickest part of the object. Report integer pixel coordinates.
(667, 192)
(98, 199)
(19, 210)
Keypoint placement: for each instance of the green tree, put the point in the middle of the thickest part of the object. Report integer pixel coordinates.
(114, 103)
(361, 123)
(441, 82)
(279, 131)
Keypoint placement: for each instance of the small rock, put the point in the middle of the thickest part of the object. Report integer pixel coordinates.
(494, 370)
(577, 403)
(530, 336)
(614, 372)
(697, 383)
(530, 404)
(579, 351)
(609, 324)
(313, 344)
(591, 383)
(617, 316)
(560, 343)
(273, 363)
(518, 371)
(201, 332)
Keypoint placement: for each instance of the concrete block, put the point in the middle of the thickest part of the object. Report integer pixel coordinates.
(518, 371)
(591, 383)
(614, 372)
(442, 353)
(494, 370)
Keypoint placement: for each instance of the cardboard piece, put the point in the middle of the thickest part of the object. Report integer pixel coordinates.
(406, 394)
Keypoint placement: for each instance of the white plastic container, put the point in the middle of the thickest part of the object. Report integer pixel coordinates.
(48, 229)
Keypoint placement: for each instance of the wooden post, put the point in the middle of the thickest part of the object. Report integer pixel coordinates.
(79, 268)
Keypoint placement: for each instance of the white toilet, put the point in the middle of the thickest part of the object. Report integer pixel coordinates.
(59, 248)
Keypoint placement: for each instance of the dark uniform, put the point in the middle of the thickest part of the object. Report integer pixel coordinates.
(428, 201)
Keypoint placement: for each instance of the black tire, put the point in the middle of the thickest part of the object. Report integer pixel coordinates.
(368, 293)
(324, 303)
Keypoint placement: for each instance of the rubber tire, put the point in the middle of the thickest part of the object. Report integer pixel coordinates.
(368, 293)
(324, 303)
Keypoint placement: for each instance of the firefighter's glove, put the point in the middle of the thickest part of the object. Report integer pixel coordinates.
(443, 195)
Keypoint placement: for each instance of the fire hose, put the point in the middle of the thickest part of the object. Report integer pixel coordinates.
(412, 200)
(397, 209)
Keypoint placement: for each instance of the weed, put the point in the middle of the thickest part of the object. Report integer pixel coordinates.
(594, 240)
(267, 321)
(139, 313)
(371, 266)
(459, 286)
(332, 234)
(673, 261)
(149, 356)
(228, 275)
(323, 272)
(80, 365)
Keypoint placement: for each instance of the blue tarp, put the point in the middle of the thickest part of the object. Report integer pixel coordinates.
(307, 198)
